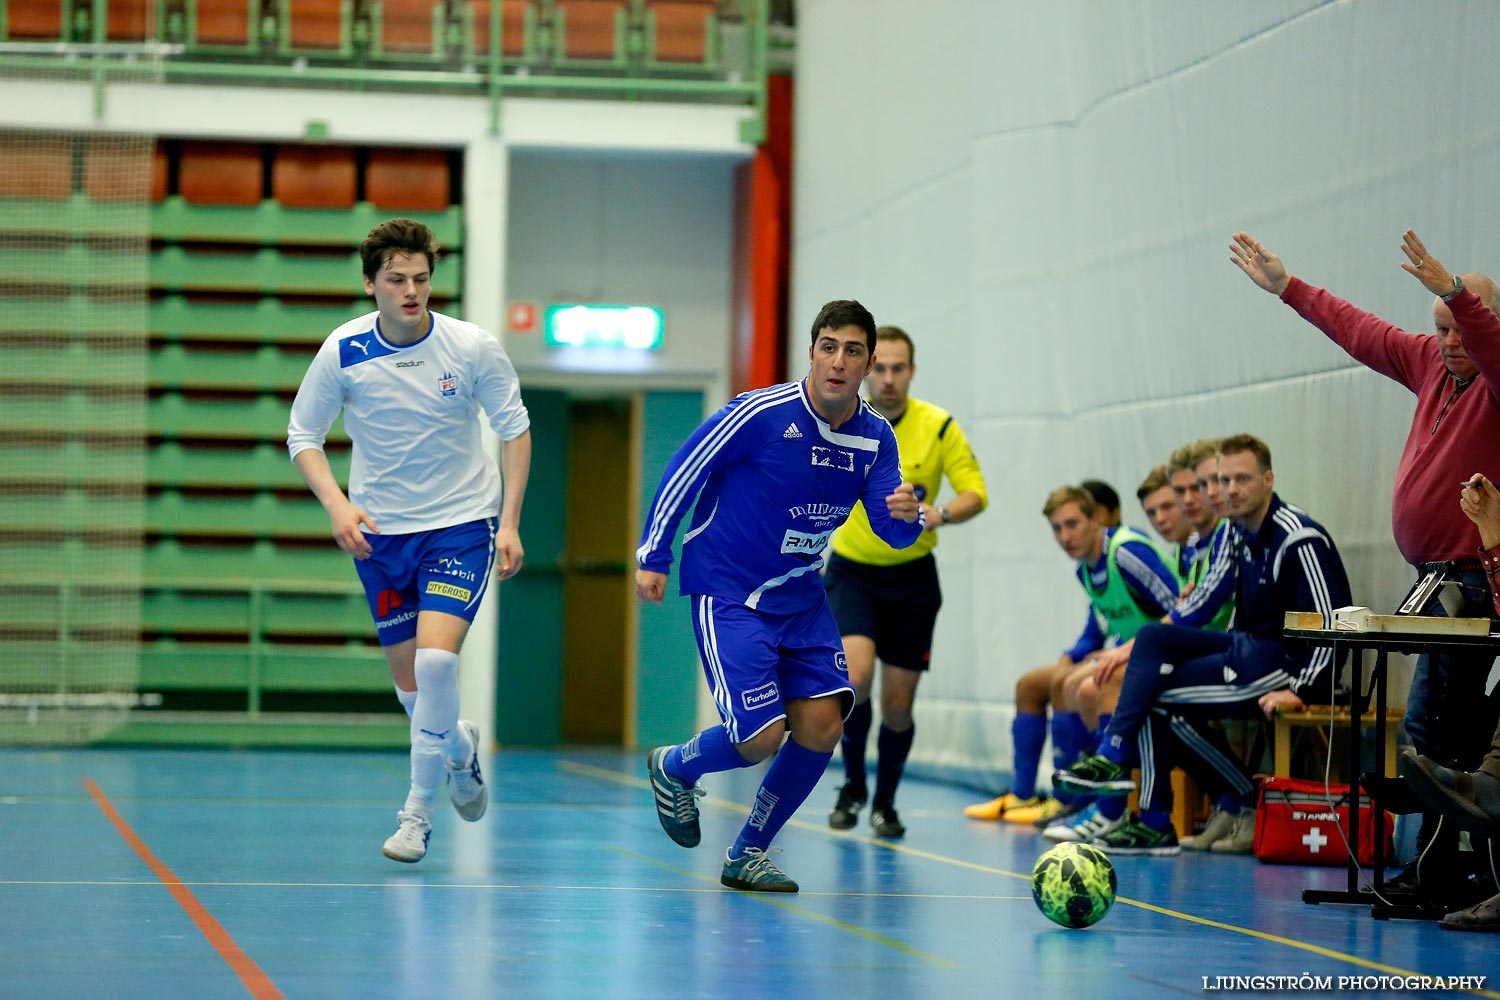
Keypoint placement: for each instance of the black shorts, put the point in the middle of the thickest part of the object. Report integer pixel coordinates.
(896, 606)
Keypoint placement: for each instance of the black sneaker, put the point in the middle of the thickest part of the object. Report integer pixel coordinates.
(845, 811)
(886, 822)
(1095, 773)
(1136, 837)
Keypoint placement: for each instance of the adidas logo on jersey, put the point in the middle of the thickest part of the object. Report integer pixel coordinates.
(791, 431)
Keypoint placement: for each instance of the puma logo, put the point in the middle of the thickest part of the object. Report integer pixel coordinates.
(437, 736)
(363, 347)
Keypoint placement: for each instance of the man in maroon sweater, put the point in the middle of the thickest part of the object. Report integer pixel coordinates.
(1456, 379)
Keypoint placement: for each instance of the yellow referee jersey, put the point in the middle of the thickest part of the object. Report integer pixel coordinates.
(932, 445)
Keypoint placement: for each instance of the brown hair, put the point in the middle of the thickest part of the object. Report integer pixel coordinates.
(1237, 443)
(1155, 480)
(397, 236)
(1201, 449)
(1070, 494)
(896, 333)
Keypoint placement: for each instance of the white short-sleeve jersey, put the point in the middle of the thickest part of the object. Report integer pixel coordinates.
(413, 413)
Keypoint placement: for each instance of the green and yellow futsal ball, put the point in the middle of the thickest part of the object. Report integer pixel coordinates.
(1074, 885)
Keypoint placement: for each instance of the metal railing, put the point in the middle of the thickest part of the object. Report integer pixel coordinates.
(363, 45)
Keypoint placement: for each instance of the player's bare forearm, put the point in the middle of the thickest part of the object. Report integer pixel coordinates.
(343, 517)
(312, 465)
(966, 505)
(515, 468)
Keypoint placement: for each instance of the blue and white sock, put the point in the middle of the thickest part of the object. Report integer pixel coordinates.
(790, 779)
(707, 753)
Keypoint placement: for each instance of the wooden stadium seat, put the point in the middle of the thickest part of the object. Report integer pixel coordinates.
(407, 25)
(29, 19)
(314, 24)
(513, 16)
(130, 20)
(226, 22)
(159, 174)
(220, 173)
(110, 174)
(313, 176)
(411, 180)
(679, 29)
(588, 28)
(32, 167)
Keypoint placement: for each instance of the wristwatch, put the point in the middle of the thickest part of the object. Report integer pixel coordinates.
(943, 515)
(1458, 286)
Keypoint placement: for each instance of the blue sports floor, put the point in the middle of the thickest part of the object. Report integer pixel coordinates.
(215, 873)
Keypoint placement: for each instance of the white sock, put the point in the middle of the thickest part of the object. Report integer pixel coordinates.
(408, 700)
(435, 736)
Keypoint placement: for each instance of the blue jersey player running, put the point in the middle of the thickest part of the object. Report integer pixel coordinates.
(424, 518)
(773, 473)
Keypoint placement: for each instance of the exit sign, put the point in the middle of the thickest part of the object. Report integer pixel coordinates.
(636, 328)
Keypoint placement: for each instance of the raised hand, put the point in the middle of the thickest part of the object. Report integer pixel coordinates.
(1424, 267)
(1259, 264)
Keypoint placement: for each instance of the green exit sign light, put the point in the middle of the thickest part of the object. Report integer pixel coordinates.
(636, 328)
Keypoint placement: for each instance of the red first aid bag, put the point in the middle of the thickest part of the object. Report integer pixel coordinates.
(1295, 824)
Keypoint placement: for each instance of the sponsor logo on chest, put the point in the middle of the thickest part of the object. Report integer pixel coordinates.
(803, 542)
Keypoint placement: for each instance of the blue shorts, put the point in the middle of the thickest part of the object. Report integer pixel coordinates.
(756, 661)
(446, 569)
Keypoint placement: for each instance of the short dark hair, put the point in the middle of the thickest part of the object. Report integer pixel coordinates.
(840, 313)
(1237, 443)
(393, 236)
(1103, 493)
(1155, 480)
(896, 333)
(1087, 505)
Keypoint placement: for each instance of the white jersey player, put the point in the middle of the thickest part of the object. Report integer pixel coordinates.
(424, 519)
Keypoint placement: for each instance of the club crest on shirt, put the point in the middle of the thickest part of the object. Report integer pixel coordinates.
(832, 458)
(448, 384)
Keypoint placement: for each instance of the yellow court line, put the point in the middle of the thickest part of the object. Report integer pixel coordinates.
(620, 778)
(773, 899)
(141, 883)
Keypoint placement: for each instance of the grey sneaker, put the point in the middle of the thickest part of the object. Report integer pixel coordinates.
(1219, 826)
(754, 872)
(409, 842)
(676, 803)
(845, 811)
(1240, 839)
(466, 789)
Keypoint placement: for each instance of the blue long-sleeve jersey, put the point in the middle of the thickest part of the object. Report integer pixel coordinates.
(1150, 582)
(772, 481)
(1290, 564)
(1217, 586)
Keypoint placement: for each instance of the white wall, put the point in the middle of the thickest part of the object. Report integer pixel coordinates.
(625, 229)
(1043, 195)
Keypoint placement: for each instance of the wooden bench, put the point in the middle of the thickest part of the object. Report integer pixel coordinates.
(1320, 716)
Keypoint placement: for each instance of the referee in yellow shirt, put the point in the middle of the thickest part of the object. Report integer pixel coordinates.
(886, 600)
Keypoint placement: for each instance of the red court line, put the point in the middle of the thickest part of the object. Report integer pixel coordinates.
(256, 981)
